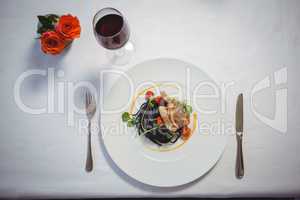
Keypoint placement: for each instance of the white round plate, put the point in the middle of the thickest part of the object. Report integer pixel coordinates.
(171, 168)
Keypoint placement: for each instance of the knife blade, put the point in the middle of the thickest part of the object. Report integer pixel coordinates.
(239, 118)
(239, 126)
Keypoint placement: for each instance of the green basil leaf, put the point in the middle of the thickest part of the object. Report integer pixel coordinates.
(151, 103)
(130, 123)
(188, 108)
(125, 117)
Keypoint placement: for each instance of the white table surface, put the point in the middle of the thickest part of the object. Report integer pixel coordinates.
(240, 41)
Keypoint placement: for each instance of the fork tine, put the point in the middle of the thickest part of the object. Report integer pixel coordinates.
(90, 97)
(86, 99)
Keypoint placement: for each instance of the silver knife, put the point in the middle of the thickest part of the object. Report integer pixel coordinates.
(239, 120)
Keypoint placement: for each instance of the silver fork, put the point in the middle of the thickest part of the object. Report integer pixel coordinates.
(90, 107)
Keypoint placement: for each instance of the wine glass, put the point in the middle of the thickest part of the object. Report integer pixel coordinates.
(112, 32)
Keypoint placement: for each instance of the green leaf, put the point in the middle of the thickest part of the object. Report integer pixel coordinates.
(188, 108)
(130, 123)
(53, 17)
(151, 103)
(41, 29)
(126, 117)
(45, 21)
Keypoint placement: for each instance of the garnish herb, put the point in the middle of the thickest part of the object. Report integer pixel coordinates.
(150, 119)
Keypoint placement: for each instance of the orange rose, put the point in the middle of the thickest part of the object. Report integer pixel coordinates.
(69, 27)
(52, 43)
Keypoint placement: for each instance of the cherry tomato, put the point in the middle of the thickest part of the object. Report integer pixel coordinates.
(158, 100)
(149, 94)
(159, 120)
(186, 132)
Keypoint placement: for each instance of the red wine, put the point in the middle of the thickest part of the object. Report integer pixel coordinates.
(112, 31)
(109, 25)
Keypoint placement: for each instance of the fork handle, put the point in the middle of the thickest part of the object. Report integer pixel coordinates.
(239, 157)
(89, 158)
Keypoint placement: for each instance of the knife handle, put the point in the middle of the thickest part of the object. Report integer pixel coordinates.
(239, 157)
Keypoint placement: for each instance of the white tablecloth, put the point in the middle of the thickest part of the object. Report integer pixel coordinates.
(240, 41)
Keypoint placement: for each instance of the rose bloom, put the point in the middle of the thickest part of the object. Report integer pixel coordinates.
(52, 43)
(69, 27)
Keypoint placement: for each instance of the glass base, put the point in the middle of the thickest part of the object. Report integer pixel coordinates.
(121, 56)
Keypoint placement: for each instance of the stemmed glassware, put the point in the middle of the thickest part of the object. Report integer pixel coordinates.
(112, 32)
